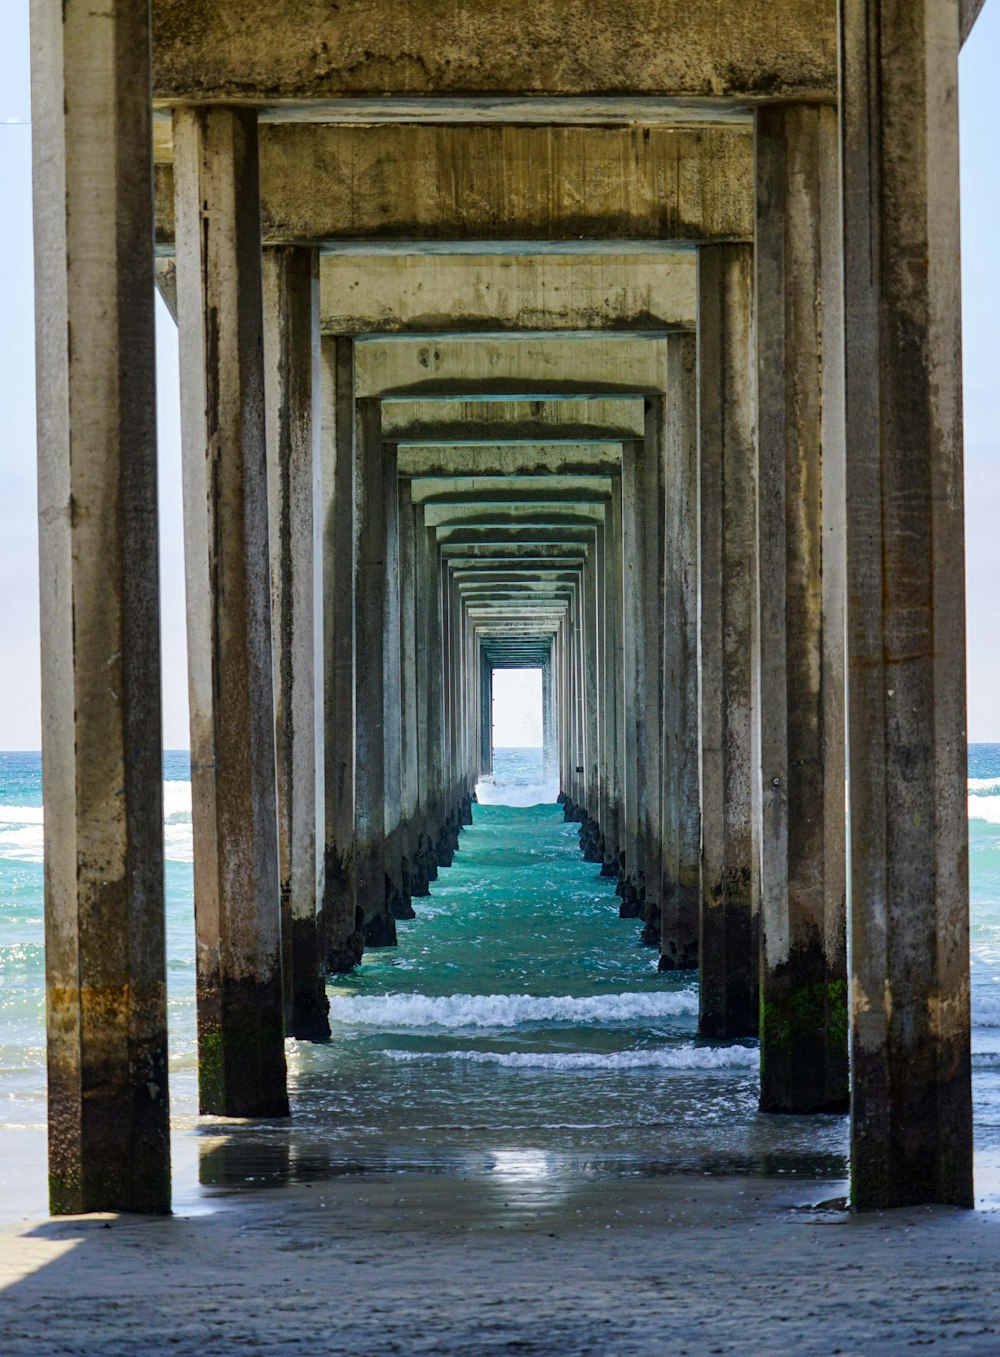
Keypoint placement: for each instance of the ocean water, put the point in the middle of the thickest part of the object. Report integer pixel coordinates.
(519, 1028)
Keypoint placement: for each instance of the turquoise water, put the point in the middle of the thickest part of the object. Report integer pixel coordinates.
(519, 1025)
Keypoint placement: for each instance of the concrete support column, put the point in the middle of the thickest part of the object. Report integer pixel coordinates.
(679, 906)
(429, 658)
(240, 1019)
(910, 1063)
(485, 716)
(102, 770)
(623, 787)
(397, 865)
(342, 924)
(411, 820)
(727, 942)
(292, 388)
(652, 633)
(633, 659)
(371, 602)
(591, 703)
(550, 740)
(798, 648)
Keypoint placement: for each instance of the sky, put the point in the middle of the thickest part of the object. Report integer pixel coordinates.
(19, 663)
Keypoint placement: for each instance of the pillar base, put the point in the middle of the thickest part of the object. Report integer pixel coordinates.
(241, 1052)
(380, 931)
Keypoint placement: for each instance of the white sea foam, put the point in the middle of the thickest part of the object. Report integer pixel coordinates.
(985, 808)
(176, 800)
(489, 792)
(686, 1057)
(506, 1010)
(20, 815)
(21, 827)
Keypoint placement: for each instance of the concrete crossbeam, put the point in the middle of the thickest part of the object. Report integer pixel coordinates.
(304, 50)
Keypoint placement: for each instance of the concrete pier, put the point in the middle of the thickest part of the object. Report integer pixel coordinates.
(507, 344)
(911, 1112)
(105, 973)
(240, 1010)
(294, 428)
(681, 826)
(798, 643)
(728, 928)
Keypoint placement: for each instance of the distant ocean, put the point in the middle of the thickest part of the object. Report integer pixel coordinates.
(518, 1017)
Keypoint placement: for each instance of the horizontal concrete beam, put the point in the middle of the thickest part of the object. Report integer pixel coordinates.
(386, 294)
(330, 183)
(550, 365)
(501, 538)
(516, 516)
(527, 422)
(509, 459)
(263, 53)
(509, 489)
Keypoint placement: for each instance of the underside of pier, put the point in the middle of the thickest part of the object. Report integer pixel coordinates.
(616, 341)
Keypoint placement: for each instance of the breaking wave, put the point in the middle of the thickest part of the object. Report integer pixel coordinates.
(686, 1057)
(506, 1010)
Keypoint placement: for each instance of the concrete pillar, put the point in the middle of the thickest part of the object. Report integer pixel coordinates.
(411, 826)
(550, 741)
(342, 927)
(911, 1103)
(102, 772)
(292, 388)
(633, 656)
(727, 942)
(342, 924)
(429, 660)
(240, 1022)
(370, 623)
(798, 648)
(652, 633)
(397, 866)
(485, 716)
(681, 889)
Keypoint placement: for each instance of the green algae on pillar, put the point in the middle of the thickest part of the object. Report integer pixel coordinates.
(911, 1104)
(105, 972)
(241, 1050)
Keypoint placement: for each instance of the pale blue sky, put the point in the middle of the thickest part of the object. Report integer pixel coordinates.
(19, 716)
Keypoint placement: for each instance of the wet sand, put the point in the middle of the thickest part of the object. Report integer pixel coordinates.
(506, 1262)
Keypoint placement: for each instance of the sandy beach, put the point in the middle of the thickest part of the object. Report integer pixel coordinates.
(508, 1263)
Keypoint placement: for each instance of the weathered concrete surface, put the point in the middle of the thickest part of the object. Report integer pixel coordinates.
(305, 51)
(798, 647)
(108, 1109)
(679, 905)
(728, 941)
(911, 1104)
(327, 182)
(240, 1021)
(508, 459)
(292, 395)
(512, 366)
(344, 942)
(371, 588)
(579, 420)
(431, 293)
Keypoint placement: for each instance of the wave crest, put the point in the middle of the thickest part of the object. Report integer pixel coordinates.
(506, 1010)
(686, 1057)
